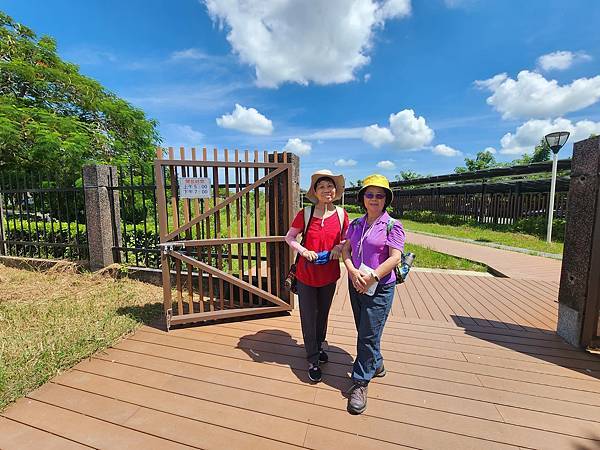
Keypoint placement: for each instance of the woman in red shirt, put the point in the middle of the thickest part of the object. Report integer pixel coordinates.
(318, 267)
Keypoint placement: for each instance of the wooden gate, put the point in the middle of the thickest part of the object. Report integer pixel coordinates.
(225, 256)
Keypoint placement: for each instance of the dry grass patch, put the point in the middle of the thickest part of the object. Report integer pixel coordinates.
(51, 320)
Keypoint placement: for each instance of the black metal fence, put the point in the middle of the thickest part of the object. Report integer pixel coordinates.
(136, 233)
(498, 203)
(42, 217)
(473, 196)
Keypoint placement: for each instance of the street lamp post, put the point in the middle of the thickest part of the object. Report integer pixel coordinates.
(554, 141)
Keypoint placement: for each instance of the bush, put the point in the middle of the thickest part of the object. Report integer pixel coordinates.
(535, 226)
(46, 232)
(443, 219)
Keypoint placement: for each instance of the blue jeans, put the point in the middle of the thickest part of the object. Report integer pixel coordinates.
(370, 314)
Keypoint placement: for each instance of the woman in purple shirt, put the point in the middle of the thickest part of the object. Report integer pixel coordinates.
(373, 247)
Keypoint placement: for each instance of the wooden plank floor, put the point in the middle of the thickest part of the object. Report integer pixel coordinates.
(490, 379)
(503, 303)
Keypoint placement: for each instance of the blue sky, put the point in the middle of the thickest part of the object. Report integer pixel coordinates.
(356, 86)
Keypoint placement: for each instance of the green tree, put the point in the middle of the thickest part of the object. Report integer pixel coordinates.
(483, 160)
(541, 153)
(55, 119)
(408, 175)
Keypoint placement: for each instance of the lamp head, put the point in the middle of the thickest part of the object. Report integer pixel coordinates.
(556, 140)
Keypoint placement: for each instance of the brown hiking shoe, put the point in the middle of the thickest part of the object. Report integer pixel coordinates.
(380, 372)
(357, 398)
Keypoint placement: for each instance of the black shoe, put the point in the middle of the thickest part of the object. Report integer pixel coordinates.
(380, 372)
(323, 358)
(314, 373)
(357, 398)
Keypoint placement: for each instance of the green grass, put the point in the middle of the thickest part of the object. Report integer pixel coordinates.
(50, 321)
(519, 240)
(427, 258)
(510, 239)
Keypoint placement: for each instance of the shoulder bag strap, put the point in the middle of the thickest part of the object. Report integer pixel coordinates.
(306, 223)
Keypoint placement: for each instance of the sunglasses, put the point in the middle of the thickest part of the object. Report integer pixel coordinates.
(370, 195)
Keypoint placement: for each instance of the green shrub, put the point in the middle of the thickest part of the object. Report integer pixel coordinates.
(46, 232)
(535, 226)
(443, 219)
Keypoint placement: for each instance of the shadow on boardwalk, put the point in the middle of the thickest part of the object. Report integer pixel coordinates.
(536, 349)
(279, 347)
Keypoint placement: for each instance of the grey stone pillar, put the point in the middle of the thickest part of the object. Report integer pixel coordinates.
(2, 232)
(99, 209)
(579, 296)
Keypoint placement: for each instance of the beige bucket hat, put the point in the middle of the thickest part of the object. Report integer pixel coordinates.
(340, 184)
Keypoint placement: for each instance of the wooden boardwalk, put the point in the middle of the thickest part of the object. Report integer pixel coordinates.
(473, 363)
(464, 371)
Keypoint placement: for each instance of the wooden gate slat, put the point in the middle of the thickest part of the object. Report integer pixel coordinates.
(226, 202)
(247, 221)
(231, 279)
(267, 226)
(257, 230)
(188, 234)
(228, 222)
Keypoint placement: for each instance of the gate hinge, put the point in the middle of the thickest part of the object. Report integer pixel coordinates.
(170, 246)
(168, 316)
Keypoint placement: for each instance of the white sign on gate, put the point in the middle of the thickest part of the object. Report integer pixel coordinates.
(194, 187)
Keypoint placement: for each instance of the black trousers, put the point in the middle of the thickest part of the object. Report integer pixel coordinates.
(315, 303)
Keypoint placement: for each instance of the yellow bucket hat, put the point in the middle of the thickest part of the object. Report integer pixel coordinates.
(378, 181)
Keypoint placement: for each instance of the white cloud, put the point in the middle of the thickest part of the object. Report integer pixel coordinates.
(491, 150)
(410, 131)
(532, 96)
(336, 133)
(90, 56)
(190, 53)
(444, 150)
(561, 60)
(176, 134)
(297, 146)
(345, 163)
(454, 4)
(290, 41)
(386, 165)
(377, 136)
(188, 97)
(247, 120)
(528, 135)
(406, 132)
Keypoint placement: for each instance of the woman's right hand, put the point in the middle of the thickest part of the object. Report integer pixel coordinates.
(309, 255)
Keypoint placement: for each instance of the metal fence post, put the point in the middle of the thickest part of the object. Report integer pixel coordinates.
(102, 236)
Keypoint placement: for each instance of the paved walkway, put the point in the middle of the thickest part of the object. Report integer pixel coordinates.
(504, 262)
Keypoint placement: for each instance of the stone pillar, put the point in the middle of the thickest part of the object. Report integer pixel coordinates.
(579, 297)
(2, 232)
(102, 232)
